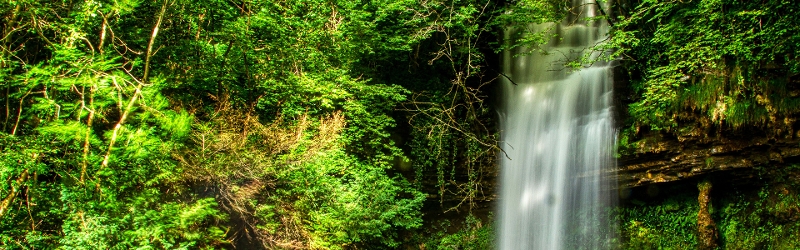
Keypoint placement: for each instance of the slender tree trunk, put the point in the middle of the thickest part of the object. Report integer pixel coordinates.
(6, 203)
(5, 61)
(88, 134)
(139, 86)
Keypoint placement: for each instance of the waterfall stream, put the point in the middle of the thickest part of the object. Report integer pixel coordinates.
(558, 137)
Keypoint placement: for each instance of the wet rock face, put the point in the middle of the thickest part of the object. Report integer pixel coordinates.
(660, 157)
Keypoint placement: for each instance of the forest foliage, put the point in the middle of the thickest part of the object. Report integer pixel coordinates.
(726, 64)
(215, 123)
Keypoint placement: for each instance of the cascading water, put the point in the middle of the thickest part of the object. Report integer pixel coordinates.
(558, 138)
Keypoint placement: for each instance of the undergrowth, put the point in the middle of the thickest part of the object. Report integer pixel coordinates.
(472, 234)
(759, 216)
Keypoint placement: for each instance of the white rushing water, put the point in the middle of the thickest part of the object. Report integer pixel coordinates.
(557, 132)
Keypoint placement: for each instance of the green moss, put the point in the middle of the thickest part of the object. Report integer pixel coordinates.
(624, 146)
(745, 112)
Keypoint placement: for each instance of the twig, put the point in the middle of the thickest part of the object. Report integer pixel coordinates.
(608, 18)
(502, 74)
(19, 112)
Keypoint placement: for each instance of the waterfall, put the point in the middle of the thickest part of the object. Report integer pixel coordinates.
(558, 138)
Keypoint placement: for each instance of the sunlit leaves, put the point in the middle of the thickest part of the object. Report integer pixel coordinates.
(353, 212)
(285, 109)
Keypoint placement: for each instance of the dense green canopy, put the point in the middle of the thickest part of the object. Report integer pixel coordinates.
(194, 124)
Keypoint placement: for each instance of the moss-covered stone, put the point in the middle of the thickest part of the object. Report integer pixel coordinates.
(706, 228)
